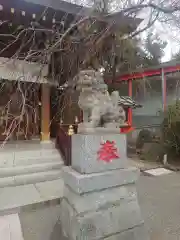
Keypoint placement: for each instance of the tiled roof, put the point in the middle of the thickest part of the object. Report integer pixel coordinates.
(127, 101)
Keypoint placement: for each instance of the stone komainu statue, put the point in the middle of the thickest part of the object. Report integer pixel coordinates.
(99, 108)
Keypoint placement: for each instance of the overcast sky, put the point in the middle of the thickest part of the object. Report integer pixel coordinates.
(166, 32)
(169, 35)
(173, 44)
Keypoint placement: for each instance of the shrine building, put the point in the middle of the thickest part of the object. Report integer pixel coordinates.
(31, 95)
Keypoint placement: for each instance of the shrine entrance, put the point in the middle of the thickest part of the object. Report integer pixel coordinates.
(64, 110)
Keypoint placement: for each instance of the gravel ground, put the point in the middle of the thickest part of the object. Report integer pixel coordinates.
(159, 198)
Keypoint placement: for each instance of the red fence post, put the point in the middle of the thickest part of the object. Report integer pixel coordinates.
(164, 90)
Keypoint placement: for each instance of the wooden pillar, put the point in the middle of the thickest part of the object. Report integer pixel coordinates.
(45, 112)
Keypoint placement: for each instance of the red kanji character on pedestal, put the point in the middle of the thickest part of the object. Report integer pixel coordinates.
(108, 151)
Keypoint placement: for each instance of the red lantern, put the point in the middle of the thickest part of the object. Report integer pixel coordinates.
(108, 151)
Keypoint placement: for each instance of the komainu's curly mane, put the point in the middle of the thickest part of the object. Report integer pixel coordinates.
(97, 105)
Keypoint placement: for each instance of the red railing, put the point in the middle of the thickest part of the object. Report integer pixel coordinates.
(63, 142)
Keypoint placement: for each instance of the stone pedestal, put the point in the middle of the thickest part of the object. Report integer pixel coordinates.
(100, 200)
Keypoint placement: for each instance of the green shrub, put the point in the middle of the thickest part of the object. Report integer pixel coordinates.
(152, 152)
(170, 130)
(144, 136)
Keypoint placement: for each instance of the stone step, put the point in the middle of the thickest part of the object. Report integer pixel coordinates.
(31, 196)
(34, 168)
(30, 161)
(30, 178)
(13, 159)
(30, 153)
(26, 145)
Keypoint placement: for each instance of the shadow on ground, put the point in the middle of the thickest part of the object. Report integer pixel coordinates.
(57, 233)
(41, 224)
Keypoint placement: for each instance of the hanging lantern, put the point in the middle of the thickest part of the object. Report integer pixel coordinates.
(70, 130)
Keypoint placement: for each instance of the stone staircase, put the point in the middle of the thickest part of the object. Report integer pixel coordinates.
(29, 163)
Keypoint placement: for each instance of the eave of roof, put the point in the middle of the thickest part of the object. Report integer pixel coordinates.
(115, 18)
(63, 6)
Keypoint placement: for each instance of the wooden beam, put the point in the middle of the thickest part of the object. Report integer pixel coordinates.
(20, 70)
(45, 112)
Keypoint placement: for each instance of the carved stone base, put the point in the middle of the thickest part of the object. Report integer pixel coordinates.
(100, 200)
(91, 209)
(86, 146)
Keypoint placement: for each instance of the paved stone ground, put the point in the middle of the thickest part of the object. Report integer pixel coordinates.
(10, 227)
(159, 198)
(41, 224)
(11, 197)
(143, 165)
